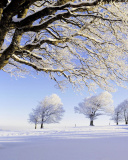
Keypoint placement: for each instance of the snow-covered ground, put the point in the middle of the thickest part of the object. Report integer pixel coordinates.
(78, 143)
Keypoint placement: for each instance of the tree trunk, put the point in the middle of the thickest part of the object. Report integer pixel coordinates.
(116, 123)
(91, 123)
(35, 126)
(126, 122)
(42, 126)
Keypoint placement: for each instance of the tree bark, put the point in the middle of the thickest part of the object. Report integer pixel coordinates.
(91, 123)
(42, 126)
(35, 126)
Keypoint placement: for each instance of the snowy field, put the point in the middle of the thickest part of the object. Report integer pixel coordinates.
(78, 143)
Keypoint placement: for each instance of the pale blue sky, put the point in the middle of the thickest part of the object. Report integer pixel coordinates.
(19, 96)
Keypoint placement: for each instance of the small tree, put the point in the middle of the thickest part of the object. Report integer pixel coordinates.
(124, 109)
(50, 110)
(34, 117)
(94, 106)
(117, 117)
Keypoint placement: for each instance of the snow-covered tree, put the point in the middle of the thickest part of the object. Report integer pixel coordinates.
(34, 117)
(83, 42)
(50, 110)
(117, 116)
(124, 109)
(96, 105)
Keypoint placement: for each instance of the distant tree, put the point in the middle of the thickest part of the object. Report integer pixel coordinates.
(117, 116)
(50, 110)
(94, 106)
(82, 41)
(124, 109)
(34, 117)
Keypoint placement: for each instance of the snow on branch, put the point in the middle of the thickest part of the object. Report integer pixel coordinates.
(84, 42)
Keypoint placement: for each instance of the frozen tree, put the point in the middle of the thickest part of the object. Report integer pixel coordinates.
(78, 41)
(50, 110)
(124, 109)
(96, 105)
(34, 117)
(117, 116)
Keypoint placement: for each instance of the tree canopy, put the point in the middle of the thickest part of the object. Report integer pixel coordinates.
(50, 110)
(95, 106)
(78, 41)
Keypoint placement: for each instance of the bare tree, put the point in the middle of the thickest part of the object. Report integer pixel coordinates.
(84, 42)
(50, 110)
(94, 106)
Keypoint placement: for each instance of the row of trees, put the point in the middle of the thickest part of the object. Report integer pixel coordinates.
(50, 110)
(103, 104)
(121, 112)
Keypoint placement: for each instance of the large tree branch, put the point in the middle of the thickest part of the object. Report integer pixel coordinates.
(38, 68)
(37, 45)
(3, 3)
(16, 7)
(49, 11)
(46, 23)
